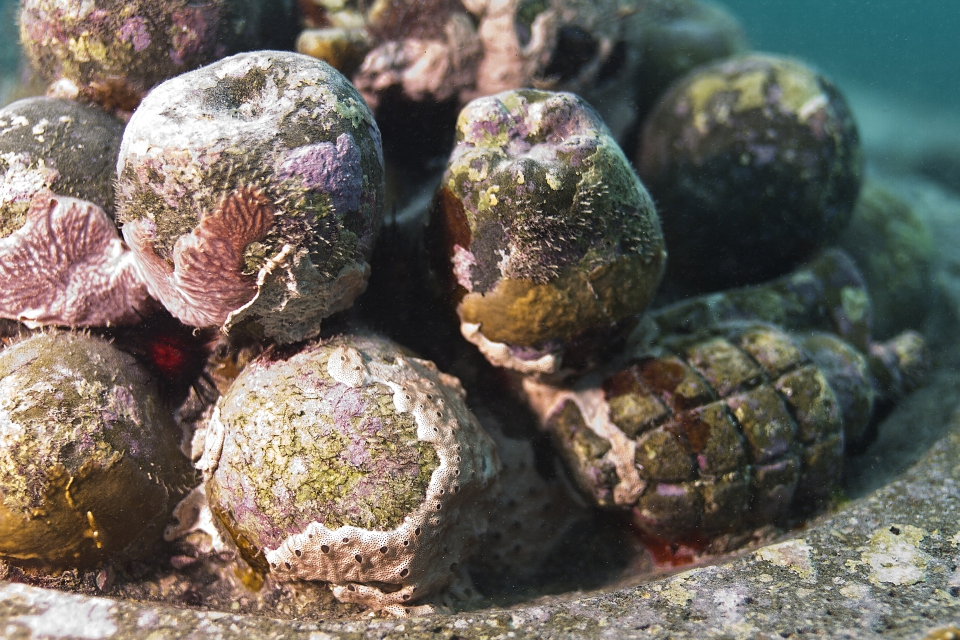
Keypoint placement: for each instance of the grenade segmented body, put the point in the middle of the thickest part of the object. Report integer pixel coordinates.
(708, 434)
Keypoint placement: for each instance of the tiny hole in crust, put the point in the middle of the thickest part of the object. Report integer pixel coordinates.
(404, 573)
(438, 506)
(350, 587)
(298, 552)
(358, 558)
(456, 472)
(405, 596)
(406, 543)
(456, 488)
(287, 565)
(346, 540)
(417, 531)
(383, 549)
(325, 548)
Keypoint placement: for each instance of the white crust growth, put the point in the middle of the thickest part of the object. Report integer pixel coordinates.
(387, 570)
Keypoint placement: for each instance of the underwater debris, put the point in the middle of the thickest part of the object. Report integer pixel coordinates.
(251, 192)
(351, 462)
(674, 37)
(59, 145)
(894, 251)
(544, 230)
(90, 463)
(755, 164)
(112, 52)
(739, 426)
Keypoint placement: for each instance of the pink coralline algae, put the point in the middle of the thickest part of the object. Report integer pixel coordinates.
(330, 168)
(66, 265)
(112, 52)
(135, 32)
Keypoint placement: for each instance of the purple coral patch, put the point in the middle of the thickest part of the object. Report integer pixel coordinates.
(194, 31)
(135, 32)
(331, 169)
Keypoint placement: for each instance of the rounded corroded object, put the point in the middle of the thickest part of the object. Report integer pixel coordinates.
(90, 463)
(60, 145)
(353, 463)
(251, 191)
(755, 163)
(113, 51)
(674, 36)
(735, 427)
(894, 250)
(543, 228)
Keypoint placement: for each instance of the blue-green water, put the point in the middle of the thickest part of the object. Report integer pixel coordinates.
(904, 48)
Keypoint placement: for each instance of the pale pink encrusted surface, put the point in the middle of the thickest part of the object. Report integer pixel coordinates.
(68, 266)
(204, 284)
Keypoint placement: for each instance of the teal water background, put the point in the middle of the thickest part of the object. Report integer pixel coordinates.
(907, 49)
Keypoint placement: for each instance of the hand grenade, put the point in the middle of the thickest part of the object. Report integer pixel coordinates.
(738, 426)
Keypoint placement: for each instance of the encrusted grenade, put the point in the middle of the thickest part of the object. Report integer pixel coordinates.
(737, 427)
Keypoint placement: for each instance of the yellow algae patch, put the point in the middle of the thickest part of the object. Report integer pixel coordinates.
(793, 555)
(522, 312)
(895, 557)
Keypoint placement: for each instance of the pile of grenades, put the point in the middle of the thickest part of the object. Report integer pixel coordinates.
(176, 222)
